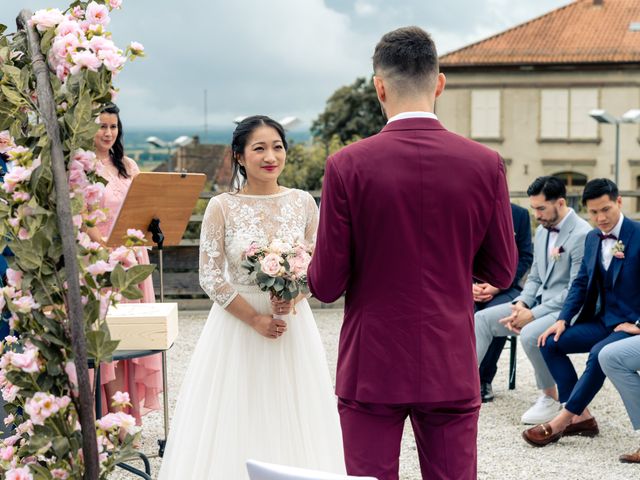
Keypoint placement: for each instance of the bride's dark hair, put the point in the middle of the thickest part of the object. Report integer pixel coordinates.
(239, 141)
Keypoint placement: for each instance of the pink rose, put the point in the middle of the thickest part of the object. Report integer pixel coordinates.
(109, 421)
(124, 256)
(67, 27)
(19, 197)
(121, 398)
(84, 59)
(102, 45)
(86, 159)
(14, 278)
(96, 217)
(115, 4)
(93, 193)
(251, 249)
(17, 175)
(77, 13)
(9, 392)
(26, 361)
(99, 268)
(7, 453)
(45, 19)
(6, 141)
(112, 61)
(136, 48)
(25, 304)
(23, 234)
(271, 265)
(60, 474)
(134, 234)
(299, 263)
(22, 473)
(97, 14)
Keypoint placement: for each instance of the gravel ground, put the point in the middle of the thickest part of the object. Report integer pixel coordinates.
(502, 454)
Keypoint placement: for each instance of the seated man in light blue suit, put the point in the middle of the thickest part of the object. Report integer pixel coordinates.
(557, 253)
(620, 361)
(606, 294)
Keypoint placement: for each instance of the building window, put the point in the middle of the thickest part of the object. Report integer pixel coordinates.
(575, 183)
(485, 114)
(564, 114)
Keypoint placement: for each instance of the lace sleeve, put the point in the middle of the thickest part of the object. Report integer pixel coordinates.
(311, 227)
(212, 256)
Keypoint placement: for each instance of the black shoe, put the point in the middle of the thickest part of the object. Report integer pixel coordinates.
(486, 392)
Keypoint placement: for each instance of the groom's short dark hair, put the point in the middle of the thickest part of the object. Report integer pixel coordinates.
(551, 187)
(407, 55)
(598, 187)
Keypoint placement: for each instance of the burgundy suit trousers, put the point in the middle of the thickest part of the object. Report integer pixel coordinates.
(445, 434)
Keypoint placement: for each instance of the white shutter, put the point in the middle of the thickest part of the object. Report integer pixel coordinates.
(485, 114)
(583, 100)
(554, 113)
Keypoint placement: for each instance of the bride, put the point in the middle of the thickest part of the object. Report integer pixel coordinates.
(256, 387)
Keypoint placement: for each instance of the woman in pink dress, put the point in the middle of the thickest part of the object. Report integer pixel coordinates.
(140, 377)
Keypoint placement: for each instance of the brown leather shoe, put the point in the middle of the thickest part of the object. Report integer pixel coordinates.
(585, 428)
(631, 457)
(540, 435)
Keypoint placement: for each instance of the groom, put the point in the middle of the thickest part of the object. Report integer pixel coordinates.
(408, 217)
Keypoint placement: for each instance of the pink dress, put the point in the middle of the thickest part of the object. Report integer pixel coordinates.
(142, 376)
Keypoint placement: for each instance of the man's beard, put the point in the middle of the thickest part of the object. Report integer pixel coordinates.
(553, 221)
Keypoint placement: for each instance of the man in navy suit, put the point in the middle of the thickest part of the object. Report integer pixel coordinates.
(486, 295)
(604, 295)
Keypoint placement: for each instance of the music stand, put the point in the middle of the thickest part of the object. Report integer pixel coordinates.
(154, 198)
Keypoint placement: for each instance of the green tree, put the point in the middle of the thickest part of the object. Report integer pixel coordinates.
(351, 112)
(305, 163)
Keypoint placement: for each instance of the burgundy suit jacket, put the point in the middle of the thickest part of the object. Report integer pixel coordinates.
(408, 217)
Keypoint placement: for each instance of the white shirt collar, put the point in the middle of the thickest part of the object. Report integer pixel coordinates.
(403, 115)
(617, 228)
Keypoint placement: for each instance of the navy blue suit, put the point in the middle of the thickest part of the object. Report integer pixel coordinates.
(4, 325)
(602, 299)
(522, 230)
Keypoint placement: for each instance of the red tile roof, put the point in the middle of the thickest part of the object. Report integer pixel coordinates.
(585, 31)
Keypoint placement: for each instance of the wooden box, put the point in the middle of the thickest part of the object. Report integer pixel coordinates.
(143, 326)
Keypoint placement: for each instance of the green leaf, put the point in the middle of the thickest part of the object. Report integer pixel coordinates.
(47, 38)
(61, 446)
(118, 277)
(14, 75)
(132, 292)
(137, 273)
(13, 96)
(100, 347)
(2, 28)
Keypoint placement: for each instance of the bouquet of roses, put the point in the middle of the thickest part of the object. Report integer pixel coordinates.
(279, 267)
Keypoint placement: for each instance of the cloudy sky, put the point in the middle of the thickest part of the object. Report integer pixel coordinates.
(278, 57)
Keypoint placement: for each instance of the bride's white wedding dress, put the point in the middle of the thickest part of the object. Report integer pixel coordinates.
(244, 395)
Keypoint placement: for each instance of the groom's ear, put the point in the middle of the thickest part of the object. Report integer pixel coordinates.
(378, 84)
(440, 83)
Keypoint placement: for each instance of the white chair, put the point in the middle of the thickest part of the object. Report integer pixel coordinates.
(270, 471)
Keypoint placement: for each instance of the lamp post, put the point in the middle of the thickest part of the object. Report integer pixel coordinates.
(181, 141)
(602, 116)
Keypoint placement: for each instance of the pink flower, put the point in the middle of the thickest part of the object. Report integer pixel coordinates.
(17, 175)
(122, 255)
(77, 221)
(14, 278)
(136, 48)
(93, 193)
(7, 453)
(134, 234)
(299, 263)
(96, 217)
(10, 340)
(9, 419)
(77, 13)
(26, 361)
(121, 398)
(62, 72)
(40, 407)
(9, 392)
(107, 422)
(97, 14)
(60, 474)
(84, 59)
(22, 473)
(115, 4)
(19, 197)
(25, 304)
(251, 249)
(112, 60)
(6, 141)
(619, 255)
(45, 19)
(99, 268)
(67, 27)
(102, 45)
(23, 234)
(86, 159)
(271, 265)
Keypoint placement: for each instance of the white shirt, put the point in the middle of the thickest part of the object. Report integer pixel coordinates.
(608, 244)
(553, 236)
(403, 115)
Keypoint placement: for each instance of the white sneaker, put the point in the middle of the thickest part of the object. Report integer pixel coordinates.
(543, 411)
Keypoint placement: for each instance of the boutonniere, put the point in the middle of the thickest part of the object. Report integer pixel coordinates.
(556, 252)
(618, 250)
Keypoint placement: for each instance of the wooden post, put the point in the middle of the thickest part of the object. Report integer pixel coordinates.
(47, 110)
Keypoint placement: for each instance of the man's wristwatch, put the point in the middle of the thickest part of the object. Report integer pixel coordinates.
(637, 324)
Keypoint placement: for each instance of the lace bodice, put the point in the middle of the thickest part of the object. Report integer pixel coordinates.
(232, 221)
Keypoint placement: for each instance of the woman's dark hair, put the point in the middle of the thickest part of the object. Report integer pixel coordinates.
(551, 187)
(599, 187)
(117, 151)
(239, 141)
